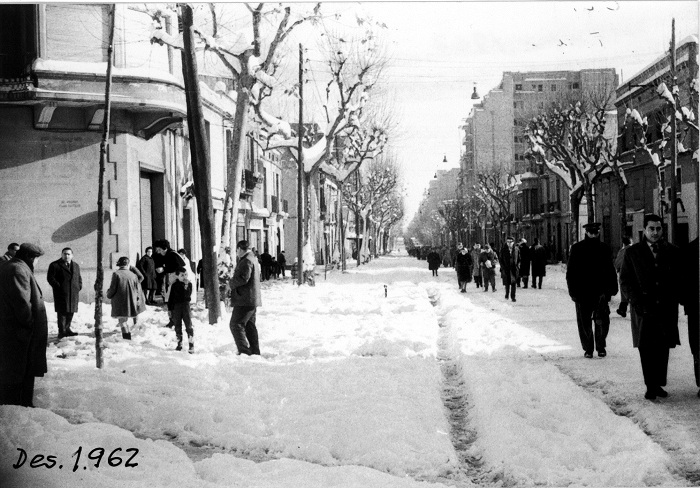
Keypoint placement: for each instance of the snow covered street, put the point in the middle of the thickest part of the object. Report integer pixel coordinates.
(425, 387)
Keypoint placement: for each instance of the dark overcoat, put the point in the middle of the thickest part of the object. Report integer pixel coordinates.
(538, 255)
(690, 291)
(510, 264)
(651, 287)
(23, 324)
(125, 294)
(66, 282)
(524, 259)
(245, 282)
(463, 266)
(147, 266)
(434, 260)
(590, 272)
(488, 256)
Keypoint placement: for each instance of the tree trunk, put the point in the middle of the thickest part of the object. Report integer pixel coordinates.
(341, 227)
(226, 223)
(575, 199)
(200, 166)
(590, 206)
(234, 174)
(622, 202)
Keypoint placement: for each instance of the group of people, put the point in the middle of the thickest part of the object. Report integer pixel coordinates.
(516, 263)
(24, 323)
(654, 277)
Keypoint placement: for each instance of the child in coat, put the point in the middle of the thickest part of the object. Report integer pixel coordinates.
(179, 306)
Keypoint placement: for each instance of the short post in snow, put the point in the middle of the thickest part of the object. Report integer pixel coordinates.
(385, 290)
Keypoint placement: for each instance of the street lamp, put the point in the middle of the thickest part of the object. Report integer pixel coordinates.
(475, 95)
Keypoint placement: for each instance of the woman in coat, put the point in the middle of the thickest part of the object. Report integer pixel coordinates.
(125, 295)
(148, 269)
(463, 265)
(476, 269)
(488, 261)
(434, 261)
(510, 267)
(525, 257)
(538, 256)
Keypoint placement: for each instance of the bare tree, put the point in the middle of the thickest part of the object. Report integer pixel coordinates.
(495, 189)
(573, 143)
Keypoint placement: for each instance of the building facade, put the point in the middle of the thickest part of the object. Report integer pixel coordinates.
(643, 178)
(53, 60)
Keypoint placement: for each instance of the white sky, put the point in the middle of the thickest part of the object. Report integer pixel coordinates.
(441, 49)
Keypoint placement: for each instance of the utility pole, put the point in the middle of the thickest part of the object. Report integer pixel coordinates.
(201, 171)
(673, 228)
(300, 173)
(99, 275)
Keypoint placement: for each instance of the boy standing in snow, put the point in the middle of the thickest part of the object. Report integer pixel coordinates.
(179, 306)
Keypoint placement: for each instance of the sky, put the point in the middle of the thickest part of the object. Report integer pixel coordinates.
(358, 386)
(441, 50)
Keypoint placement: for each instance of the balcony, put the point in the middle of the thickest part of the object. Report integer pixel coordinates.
(275, 204)
(248, 183)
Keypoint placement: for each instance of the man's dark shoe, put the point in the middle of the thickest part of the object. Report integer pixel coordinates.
(588, 355)
(512, 299)
(602, 354)
(650, 395)
(70, 333)
(621, 313)
(660, 392)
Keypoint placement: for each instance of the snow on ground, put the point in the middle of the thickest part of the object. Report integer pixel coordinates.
(348, 393)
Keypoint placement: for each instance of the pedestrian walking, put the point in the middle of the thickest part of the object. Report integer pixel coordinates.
(488, 261)
(649, 277)
(689, 297)
(23, 328)
(266, 264)
(524, 271)
(282, 261)
(179, 306)
(124, 292)
(434, 261)
(245, 298)
(172, 261)
(65, 280)
(538, 256)
(463, 266)
(476, 269)
(591, 280)
(10, 253)
(510, 267)
(622, 308)
(147, 266)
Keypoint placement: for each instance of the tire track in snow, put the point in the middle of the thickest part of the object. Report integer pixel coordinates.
(686, 468)
(455, 398)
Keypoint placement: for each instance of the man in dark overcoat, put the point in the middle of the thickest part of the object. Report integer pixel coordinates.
(282, 261)
(510, 267)
(689, 298)
(434, 261)
(147, 266)
(524, 271)
(23, 328)
(538, 255)
(245, 298)
(66, 282)
(592, 281)
(649, 278)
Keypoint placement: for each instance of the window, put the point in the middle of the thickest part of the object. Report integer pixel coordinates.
(534, 87)
(540, 105)
(518, 87)
(554, 87)
(575, 86)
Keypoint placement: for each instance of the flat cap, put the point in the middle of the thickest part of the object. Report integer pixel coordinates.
(31, 249)
(592, 226)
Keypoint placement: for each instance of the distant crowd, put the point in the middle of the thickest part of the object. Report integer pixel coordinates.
(653, 277)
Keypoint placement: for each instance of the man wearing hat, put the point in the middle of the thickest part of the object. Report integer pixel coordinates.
(592, 281)
(23, 328)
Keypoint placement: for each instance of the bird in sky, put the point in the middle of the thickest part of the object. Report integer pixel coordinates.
(562, 43)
